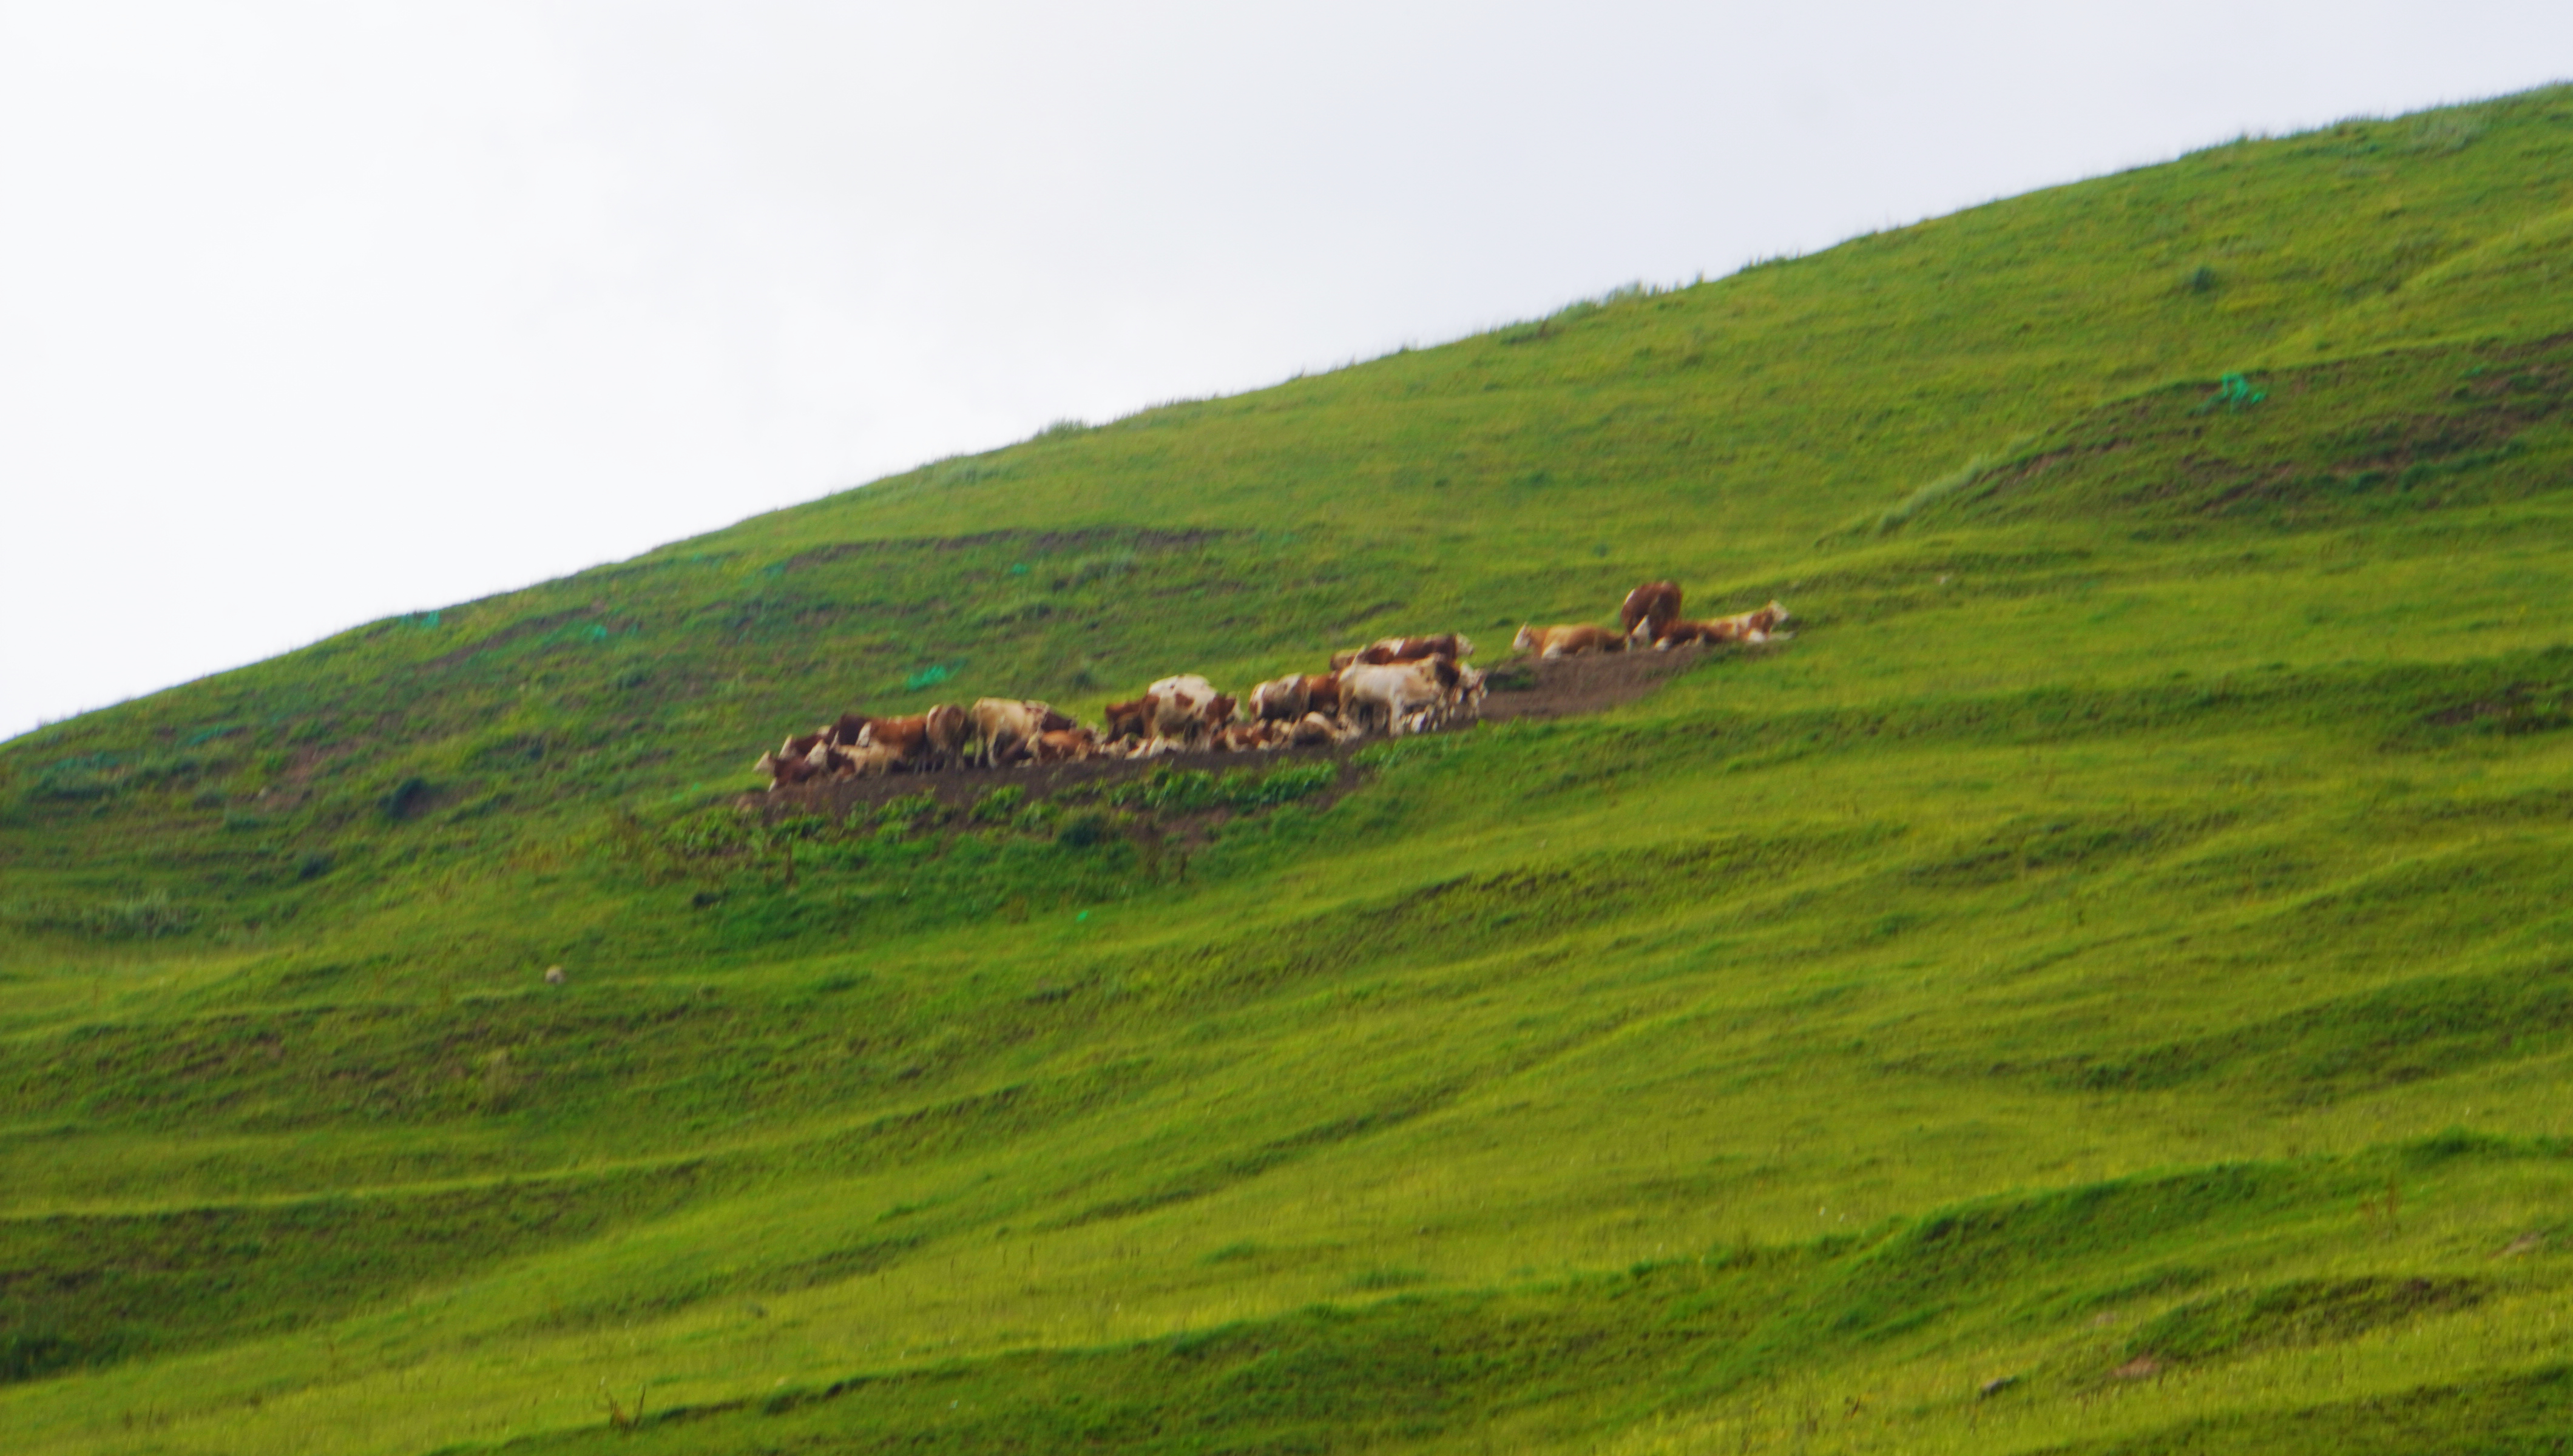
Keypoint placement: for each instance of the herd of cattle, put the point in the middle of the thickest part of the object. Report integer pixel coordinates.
(1399, 685)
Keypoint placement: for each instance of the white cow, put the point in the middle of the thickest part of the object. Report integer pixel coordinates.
(1408, 695)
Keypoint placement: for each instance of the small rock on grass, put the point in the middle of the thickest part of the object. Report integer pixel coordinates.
(554, 976)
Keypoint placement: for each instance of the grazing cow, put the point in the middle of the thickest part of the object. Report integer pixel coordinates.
(1568, 641)
(1132, 720)
(1007, 726)
(802, 744)
(1282, 700)
(1651, 609)
(1398, 691)
(1065, 745)
(847, 731)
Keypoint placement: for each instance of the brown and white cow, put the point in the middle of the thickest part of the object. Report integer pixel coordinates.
(866, 760)
(1566, 641)
(907, 738)
(1315, 729)
(1132, 720)
(1007, 726)
(1248, 737)
(784, 771)
(1322, 693)
(1398, 693)
(1065, 745)
(1283, 699)
(1649, 610)
(1388, 650)
(1749, 628)
(1186, 707)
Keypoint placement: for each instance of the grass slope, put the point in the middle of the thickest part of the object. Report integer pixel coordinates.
(2103, 988)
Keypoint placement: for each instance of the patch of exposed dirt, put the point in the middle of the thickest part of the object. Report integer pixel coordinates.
(1568, 686)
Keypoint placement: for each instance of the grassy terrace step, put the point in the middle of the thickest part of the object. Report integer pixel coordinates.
(2102, 985)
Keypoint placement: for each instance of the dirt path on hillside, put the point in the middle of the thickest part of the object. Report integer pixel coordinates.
(1563, 688)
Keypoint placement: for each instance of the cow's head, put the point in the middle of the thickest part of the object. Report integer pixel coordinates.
(1528, 640)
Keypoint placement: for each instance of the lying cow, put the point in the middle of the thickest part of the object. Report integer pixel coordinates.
(1316, 730)
(1748, 628)
(1649, 611)
(1386, 651)
(1065, 745)
(1569, 641)
(1006, 727)
(1397, 693)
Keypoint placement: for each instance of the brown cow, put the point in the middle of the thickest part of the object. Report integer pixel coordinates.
(1132, 720)
(847, 731)
(906, 738)
(1568, 641)
(1322, 693)
(1651, 609)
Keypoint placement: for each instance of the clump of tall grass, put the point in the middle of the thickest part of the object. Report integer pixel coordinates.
(2440, 136)
(1962, 478)
(150, 916)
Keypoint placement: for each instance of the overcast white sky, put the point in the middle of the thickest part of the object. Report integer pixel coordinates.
(313, 314)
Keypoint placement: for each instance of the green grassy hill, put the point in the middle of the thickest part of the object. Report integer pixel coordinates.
(2106, 986)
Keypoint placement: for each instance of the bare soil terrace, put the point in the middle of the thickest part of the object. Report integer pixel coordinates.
(1520, 689)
